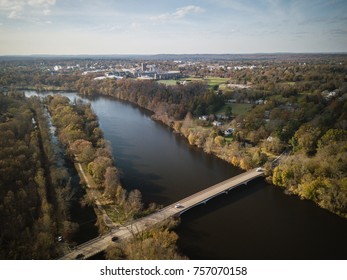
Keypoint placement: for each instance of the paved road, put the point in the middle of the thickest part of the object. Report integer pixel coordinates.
(99, 244)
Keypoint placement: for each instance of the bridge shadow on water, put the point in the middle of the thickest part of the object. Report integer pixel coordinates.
(217, 204)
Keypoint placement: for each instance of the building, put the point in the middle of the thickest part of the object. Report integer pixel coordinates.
(217, 123)
(229, 132)
(143, 67)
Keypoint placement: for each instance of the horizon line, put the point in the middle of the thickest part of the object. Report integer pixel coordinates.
(175, 54)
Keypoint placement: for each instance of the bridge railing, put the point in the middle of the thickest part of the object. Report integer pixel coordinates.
(216, 186)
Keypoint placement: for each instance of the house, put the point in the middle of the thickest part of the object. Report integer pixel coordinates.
(3, 89)
(328, 95)
(222, 117)
(217, 123)
(229, 132)
(229, 101)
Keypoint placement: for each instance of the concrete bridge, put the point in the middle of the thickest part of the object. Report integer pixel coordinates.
(99, 244)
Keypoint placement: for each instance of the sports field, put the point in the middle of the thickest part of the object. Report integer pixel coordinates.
(211, 81)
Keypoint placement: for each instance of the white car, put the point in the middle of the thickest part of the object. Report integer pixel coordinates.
(178, 205)
(259, 169)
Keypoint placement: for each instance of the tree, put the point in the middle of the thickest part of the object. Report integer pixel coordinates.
(187, 123)
(219, 141)
(307, 137)
(111, 181)
(191, 138)
(275, 145)
(333, 135)
(134, 202)
(259, 158)
(97, 168)
(228, 111)
(83, 150)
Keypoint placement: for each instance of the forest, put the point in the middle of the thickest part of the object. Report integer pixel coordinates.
(34, 189)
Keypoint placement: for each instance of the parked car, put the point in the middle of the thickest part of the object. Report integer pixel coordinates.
(259, 169)
(178, 205)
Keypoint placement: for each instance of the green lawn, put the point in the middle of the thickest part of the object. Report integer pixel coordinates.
(211, 81)
(288, 83)
(168, 82)
(237, 108)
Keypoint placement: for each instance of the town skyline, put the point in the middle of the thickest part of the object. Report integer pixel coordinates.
(85, 27)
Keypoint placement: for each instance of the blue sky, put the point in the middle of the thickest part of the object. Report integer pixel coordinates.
(177, 26)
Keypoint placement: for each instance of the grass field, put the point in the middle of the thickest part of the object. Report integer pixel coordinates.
(211, 81)
(237, 108)
(288, 83)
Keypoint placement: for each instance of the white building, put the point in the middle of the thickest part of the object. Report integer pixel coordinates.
(217, 123)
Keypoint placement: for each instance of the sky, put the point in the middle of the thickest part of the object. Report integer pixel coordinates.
(65, 27)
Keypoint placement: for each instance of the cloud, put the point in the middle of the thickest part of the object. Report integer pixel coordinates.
(41, 2)
(13, 14)
(179, 13)
(338, 32)
(46, 12)
(182, 12)
(15, 8)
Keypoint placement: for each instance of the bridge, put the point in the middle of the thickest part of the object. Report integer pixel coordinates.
(99, 244)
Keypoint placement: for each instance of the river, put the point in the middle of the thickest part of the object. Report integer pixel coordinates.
(256, 221)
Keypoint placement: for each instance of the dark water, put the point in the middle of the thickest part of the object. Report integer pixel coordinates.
(257, 221)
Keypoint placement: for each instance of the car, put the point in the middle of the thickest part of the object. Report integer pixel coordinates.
(79, 257)
(259, 169)
(178, 205)
(114, 238)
